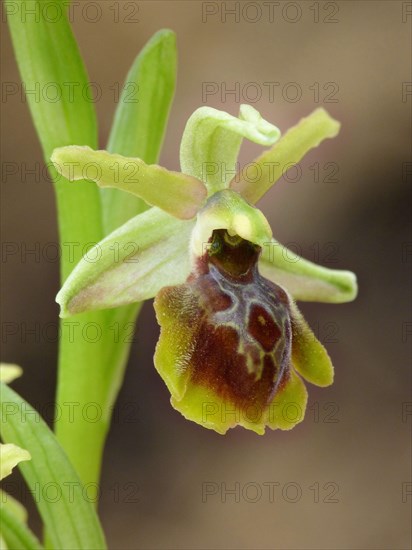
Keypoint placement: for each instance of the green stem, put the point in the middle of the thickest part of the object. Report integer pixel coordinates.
(90, 376)
(93, 351)
(91, 372)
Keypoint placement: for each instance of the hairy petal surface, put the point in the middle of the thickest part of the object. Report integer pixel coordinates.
(212, 139)
(309, 357)
(132, 264)
(305, 280)
(178, 194)
(290, 149)
(226, 342)
(289, 404)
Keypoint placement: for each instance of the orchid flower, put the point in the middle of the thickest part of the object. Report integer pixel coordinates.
(233, 346)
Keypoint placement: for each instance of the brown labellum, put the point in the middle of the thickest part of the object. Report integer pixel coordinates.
(241, 344)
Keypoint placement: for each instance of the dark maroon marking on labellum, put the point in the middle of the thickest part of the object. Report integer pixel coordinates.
(262, 327)
(243, 339)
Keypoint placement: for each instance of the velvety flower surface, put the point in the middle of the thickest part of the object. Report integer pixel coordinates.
(232, 342)
(233, 346)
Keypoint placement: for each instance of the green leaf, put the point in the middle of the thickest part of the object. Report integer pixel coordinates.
(305, 280)
(56, 85)
(290, 149)
(212, 139)
(140, 119)
(48, 56)
(173, 192)
(70, 518)
(10, 456)
(132, 264)
(15, 507)
(15, 533)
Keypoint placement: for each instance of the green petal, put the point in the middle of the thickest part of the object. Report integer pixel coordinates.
(305, 280)
(290, 149)
(211, 142)
(10, 456)
(132, 264)
(173, 192)
(309, 357)
(228, 210)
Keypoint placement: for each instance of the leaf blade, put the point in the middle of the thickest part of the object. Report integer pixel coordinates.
(15, 533)
(71, 520)
(138, 128)
(51, 68)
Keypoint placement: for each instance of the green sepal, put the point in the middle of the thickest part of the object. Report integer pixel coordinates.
(305, 280)
(212, 139)
(130, 265)
(178, 194)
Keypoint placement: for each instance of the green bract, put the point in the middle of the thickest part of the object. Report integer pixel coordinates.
(207, 250)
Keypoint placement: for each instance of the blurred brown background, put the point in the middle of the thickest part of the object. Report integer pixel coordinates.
(356, 434)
